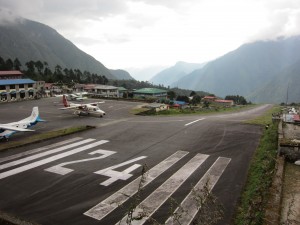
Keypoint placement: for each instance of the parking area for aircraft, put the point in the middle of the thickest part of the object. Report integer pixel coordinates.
(95, 177)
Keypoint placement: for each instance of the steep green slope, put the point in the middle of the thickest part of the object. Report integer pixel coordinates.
(245, 70)
(121, 74)
(284, 87)
(28, 40)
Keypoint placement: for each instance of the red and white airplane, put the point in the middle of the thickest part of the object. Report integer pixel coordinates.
(89, 109)
(8, 129)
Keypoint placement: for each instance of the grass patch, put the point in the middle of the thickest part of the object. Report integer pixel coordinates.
(190, 110)
(44, 136)
(260, 175)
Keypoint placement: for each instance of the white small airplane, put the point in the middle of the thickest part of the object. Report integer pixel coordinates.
(89, 109)
(77, 96)
(6, 130)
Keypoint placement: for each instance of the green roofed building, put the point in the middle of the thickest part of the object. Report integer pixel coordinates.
(150, 92)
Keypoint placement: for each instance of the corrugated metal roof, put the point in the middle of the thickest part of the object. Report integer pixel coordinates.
(11, 72)
(150, 91)
(16, 81)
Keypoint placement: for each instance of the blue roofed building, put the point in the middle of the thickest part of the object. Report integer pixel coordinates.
(14, 87)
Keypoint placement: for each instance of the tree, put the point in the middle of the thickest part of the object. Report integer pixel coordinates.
(39, 66)
(196, 100)
(239, 100)
(206, 104)
(9, 65)
(193, 93)
(171, 94)
(2, 63)
(183, 98)
(17, 64)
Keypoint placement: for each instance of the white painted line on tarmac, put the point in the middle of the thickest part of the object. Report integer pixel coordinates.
(188, 207)
(11, 157)
(147, 207)
(42, 154)
(194, 122)
(105, 207)
(50, 159)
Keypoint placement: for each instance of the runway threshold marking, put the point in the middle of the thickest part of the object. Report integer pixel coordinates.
(29, 152)
(189, 207)
(105, 207)
(42, 154)
(50, 159)
(147, 207)
(194, 122)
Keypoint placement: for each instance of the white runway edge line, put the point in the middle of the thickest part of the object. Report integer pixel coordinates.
(105, 207)
(11, 157)
(194, 122)
(50, 159)
(147, 207)
(42, 154)
(188, 207)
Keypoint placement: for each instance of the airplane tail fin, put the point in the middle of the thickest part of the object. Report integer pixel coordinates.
(35, 117)
(65, 101)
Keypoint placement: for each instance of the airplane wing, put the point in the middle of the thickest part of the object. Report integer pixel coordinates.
(12, 128)
(79, 107)
(95, 103)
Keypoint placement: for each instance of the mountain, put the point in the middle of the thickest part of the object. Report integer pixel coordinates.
(170, 76)
(246, 70)
(144, 74)
(121, 74)
(28, 40)
(283, 88)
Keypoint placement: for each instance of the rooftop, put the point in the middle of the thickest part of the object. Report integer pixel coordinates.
(16, 81)
(150, 91)
(11, 73)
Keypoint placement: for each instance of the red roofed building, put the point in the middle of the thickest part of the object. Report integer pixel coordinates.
(224, 102)
(14, 74)
(209, 98)
(296, 118)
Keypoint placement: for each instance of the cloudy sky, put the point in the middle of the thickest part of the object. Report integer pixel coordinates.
(142, 33)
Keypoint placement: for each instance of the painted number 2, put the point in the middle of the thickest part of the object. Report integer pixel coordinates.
(109, 172)
(60, 169)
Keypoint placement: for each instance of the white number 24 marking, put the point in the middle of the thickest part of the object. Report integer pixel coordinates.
(110, 172)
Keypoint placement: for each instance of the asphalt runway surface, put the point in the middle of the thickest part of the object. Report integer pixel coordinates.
(98, 176)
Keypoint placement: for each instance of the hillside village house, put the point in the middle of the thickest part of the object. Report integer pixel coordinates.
(98, 90)
(219, 102)
(14, 87)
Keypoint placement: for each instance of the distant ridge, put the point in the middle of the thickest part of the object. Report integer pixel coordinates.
(248, 70)
(170, 76)
(28, 40)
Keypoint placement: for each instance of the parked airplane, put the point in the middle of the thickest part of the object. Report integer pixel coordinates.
(89, 109)
(77, 96)
(6, 130)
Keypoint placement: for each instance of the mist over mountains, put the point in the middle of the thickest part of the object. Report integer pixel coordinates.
(170, 76)
(260, 71)
(28, 40)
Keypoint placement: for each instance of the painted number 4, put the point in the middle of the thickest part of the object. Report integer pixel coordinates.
(109, 172)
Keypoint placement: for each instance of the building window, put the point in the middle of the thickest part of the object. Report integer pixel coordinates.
(12, 86)
(2, 87)
(21, 85)
(30, 85)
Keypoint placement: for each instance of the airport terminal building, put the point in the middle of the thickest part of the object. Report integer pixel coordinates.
(13, 87)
